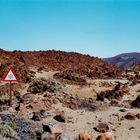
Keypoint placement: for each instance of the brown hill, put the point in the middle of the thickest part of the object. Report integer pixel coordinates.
(68, 62)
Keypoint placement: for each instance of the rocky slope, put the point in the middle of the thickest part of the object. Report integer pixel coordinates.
(63, 62)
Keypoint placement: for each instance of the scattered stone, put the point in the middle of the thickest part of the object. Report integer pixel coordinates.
(136, 102)
(85, 136)
(36, 116)
(53, 128)
(43, 113)
(61, 117)
(11, 110)
(105, 136)
(138, 115)
(102, 128)
(26, 98)
(100, 97)
(125, 89)
(131, 128)
(115, 102)
(48, 136)
(123, 110)
(130, 116)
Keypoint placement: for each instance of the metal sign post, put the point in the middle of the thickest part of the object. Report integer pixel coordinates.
(10, 101)
(10, 77)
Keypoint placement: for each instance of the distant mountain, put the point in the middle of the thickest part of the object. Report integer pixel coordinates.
(124, 60)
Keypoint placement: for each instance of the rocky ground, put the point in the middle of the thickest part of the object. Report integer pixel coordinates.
(93, 109)
(69, 105)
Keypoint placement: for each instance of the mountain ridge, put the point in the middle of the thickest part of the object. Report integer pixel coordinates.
(124, 60)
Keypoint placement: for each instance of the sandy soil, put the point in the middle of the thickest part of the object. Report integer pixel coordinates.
(84, 121)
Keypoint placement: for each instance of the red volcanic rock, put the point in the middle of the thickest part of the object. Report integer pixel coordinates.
(117, 93)
(84, 65)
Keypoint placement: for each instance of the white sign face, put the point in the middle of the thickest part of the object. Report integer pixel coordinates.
(10, 76)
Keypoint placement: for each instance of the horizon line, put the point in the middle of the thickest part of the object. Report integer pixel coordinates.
(43, 50)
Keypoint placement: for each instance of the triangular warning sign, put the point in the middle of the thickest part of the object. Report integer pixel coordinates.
(10, 76)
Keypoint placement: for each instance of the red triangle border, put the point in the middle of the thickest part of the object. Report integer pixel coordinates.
(10, 69)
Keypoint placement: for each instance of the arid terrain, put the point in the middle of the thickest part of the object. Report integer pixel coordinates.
(68, 96)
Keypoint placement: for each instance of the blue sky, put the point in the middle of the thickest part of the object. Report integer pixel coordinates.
(100, 28)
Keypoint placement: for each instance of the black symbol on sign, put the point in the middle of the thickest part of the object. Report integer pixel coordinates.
(10, 76)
